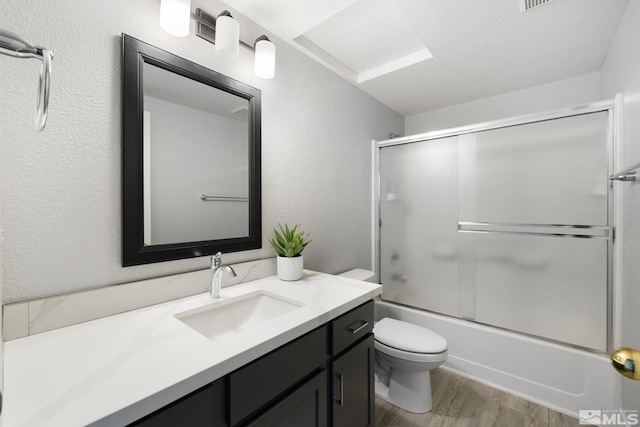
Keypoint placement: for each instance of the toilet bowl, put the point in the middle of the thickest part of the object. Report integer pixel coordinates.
(405, 353)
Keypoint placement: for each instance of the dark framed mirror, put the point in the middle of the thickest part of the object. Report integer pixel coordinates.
(191, 159)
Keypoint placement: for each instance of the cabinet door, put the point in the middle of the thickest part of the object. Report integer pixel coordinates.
(306, 406)
(353, 386)
(262, 382)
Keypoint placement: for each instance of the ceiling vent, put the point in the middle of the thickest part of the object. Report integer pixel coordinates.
(526, 5)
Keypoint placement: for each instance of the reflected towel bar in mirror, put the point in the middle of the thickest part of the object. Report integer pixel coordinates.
(206, 198)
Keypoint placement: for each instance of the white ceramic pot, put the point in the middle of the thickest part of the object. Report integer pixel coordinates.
(289, 268)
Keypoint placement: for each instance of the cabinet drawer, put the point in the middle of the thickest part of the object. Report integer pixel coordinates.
(306, 406)
(257, 384)
(202, 408)
(351, 327)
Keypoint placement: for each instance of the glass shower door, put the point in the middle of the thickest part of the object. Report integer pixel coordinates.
(507, 227)
(418, 213)
(533, 228)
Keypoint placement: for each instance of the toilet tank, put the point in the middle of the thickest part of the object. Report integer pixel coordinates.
(360, 274)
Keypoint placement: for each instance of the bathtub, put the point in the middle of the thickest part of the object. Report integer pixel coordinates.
(562, 378)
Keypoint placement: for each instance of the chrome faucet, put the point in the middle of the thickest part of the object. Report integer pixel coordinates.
(217, 268)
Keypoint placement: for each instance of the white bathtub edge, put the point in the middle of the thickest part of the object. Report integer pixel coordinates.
(583, 380)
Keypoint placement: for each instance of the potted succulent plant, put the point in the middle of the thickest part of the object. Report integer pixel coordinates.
(289, 244)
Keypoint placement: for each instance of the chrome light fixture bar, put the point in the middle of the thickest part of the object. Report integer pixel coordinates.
(223, 31)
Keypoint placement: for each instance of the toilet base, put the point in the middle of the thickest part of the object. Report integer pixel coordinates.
(410, 391)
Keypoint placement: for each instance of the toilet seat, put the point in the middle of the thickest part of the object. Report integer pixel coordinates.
(423, 358)
(407, 337)
(405, 355)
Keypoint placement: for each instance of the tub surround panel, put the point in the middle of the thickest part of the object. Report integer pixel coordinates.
(42, 315)
(114, 370)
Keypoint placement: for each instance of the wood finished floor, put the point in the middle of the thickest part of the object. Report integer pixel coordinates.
(460, 402)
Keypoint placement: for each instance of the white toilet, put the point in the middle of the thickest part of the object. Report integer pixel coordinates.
(405, 353)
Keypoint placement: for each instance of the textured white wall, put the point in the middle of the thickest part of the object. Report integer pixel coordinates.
(560, 94)
(61, 210)
(621, 74)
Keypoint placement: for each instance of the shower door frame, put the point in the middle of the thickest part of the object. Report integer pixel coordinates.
(609, 106)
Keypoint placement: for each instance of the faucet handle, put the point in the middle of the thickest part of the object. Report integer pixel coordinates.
(216, 260)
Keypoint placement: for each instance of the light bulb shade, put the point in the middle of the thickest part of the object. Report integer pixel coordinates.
(227, 35)
(265, 65)
(175, 16)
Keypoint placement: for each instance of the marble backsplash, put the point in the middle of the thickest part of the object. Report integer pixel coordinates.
(41, 315)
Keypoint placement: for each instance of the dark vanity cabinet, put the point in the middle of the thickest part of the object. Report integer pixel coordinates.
(324, 378)
(352, 368)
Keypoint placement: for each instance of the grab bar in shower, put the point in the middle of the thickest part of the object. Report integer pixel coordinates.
(628, 174)
(13, 45)
(550, 230)
(206, 198)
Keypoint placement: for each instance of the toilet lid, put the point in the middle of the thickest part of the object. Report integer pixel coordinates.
(408, 337)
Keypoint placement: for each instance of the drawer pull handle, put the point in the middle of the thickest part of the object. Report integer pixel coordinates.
(340, 399)
(356, 326)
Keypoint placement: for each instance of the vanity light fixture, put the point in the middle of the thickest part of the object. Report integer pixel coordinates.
(222, 30)
(227, 34)
(174, 17)
(265, 61)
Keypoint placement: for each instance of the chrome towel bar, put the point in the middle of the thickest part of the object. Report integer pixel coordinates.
(206, 198)
(628, 174)
(551, 230)
(13, 45)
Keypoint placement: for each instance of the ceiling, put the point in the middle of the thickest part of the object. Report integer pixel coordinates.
(178, 89)
(420, 55)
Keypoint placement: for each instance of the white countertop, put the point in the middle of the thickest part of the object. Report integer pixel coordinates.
(115, 370)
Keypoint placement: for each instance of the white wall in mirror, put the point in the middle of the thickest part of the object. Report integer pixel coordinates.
(195, 152)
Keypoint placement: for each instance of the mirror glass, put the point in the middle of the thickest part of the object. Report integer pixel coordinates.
(185, 174)
(191, 159)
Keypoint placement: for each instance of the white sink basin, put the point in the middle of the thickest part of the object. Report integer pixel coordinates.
(228, 317)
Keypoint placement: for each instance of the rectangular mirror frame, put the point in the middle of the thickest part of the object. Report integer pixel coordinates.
(134, 251)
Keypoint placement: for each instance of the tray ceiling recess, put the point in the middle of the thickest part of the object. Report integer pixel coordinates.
(481, 49)
(345, 41)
